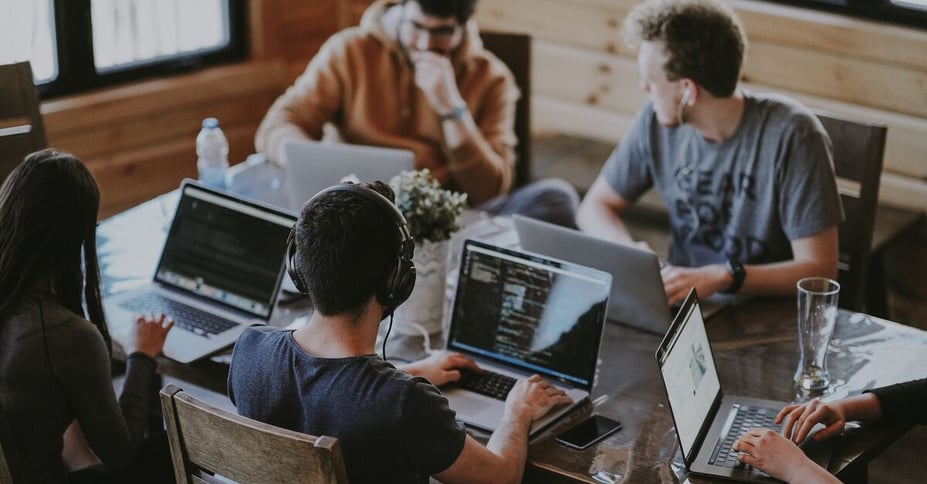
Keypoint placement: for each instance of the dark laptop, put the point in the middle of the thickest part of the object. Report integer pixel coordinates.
(518, 314)
(708, 422)
(219, 272)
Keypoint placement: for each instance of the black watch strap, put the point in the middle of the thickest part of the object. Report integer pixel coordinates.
(738, 273)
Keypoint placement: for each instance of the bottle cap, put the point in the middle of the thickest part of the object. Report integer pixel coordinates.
(210, 123)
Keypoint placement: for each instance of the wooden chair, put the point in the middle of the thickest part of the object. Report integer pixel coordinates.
(21, 129)
(10, 470)
(515, 51)
(858, 152)
(206, 440)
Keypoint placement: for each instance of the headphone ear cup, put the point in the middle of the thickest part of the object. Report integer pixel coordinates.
(291, 268)
(397, 284)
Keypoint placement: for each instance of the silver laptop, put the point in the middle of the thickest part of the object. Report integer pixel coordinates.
(312, 166)
(518, 314)
(637, 297)
(707, 421)
(219, 272)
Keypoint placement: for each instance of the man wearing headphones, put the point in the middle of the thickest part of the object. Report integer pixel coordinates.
(351, 252)
(748, 179)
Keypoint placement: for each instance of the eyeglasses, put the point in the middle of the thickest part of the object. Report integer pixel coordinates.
(440, 32)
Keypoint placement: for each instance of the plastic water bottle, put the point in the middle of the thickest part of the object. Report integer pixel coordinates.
(212, 151)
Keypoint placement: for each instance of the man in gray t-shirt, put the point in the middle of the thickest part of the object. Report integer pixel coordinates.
(748, 179)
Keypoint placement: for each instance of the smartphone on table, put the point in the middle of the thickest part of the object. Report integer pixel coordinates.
(589, 431)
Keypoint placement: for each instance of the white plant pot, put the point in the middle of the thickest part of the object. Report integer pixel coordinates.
(424, 310)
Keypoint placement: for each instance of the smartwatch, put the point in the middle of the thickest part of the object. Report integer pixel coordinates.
(738, 273)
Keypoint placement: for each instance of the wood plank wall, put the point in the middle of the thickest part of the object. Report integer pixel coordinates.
(586, 81)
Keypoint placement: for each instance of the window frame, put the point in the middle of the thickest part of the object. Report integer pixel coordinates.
(74, 52)
(878, 10)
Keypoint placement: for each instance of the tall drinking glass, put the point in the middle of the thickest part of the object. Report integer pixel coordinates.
(817, 314)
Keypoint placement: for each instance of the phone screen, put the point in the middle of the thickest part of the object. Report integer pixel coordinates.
(589, 431)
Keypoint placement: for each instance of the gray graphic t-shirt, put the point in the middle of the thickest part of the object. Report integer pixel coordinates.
(745, 198)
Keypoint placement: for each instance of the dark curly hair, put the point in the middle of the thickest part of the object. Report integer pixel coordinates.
(461, 10)
(703, 40)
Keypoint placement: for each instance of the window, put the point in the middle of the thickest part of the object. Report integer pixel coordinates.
(904, 12)
(79, 45)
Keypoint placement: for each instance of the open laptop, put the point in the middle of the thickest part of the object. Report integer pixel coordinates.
(518, 314)
(707, 421)
(637, 297)
(219, 272)
(312, 166)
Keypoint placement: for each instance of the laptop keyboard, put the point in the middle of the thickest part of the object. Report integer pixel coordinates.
(489, 383)
(186, 317)
(747, 417)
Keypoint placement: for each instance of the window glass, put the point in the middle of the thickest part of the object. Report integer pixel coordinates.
(131, 32)
(26, 33)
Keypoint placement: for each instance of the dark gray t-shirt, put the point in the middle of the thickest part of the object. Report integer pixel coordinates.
(391, 427)
(746, 198)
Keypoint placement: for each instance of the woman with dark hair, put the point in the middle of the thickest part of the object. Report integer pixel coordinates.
(55, 379)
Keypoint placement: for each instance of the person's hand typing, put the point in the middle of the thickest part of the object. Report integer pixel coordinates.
(533, 397)
(779, 457)
(441, 367)
(148, 334)
(798, 420)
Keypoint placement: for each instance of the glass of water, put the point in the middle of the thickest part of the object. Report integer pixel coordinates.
(817, 314)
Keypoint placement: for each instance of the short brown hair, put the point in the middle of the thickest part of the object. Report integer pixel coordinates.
(703, 40)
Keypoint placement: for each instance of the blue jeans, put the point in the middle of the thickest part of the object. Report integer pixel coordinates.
(551, 200)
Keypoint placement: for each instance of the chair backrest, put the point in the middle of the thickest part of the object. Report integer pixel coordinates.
(515, 51)
(206, 440)
(858, 150)
(21, 129)
(10, 470)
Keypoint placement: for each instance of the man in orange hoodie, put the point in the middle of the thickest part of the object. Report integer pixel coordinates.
(414, 75)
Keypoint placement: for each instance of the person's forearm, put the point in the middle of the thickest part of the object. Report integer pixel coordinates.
(510, 443)
(860, 407)
(602, 222)
(477, 168)
(807, 472)
(779, 278)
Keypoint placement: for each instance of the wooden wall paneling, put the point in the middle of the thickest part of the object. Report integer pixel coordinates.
(827, 32)
(880, 85)
(161, 127)
(127, 103)
(584, 76)
(553, 115)
(591, 25)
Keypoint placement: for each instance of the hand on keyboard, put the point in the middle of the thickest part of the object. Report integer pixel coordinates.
(779, 457)
(533, 397)
(441, 367)
(148, 335)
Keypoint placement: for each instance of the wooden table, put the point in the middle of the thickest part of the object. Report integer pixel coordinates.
(755, 345)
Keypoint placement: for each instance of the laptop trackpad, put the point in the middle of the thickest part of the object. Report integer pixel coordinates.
(469, 404)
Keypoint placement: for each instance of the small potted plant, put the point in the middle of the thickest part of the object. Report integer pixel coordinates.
(431, 211)
(433, 216)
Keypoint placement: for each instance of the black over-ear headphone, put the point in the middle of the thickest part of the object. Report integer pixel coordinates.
(398, 279)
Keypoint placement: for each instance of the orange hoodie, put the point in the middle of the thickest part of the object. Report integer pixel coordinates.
(361, 82)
